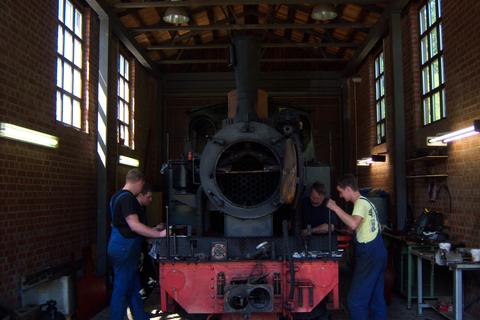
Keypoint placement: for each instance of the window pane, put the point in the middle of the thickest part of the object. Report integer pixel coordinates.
(118, 110)
(379, 134)
(120, 65)
(60, 10)
(432, 11)
(376, 68)
(67, 109)
(426, 80)
(59, 106)
(439, 7)
(59, 72)
(69, 15)
(378, 111)
(127, 67)
(78, 23)
(433, 42)
(67, 78)
(442, 70)
(440, 35)
(382, 129)
(444, 109)
(77, 114)
(121, 89)
(60, 40)
(435, 74)
(423, 19)
(426, 111)
(127, 93)
(382, 86)
(382, 108)
(68, 46)
(78, 53)
(436, 106)
(377, 90)
(127, 137)
(381, 63)
(77, 84)
(126, 113)
(424, 46)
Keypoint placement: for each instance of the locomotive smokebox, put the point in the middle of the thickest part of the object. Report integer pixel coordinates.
(241, 166)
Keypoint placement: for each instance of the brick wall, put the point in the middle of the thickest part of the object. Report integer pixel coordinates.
(462, 95)
(48, 197)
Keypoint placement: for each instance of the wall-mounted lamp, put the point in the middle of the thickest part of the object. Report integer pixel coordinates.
(11, 131)
(455, 135)
(128, 161)
(365, 162)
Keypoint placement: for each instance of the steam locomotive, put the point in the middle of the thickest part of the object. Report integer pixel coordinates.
(232, 251)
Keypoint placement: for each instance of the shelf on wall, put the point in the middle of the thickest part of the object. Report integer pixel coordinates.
(438, 175)
(428, 158)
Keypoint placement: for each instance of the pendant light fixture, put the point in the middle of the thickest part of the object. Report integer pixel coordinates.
(324, 11)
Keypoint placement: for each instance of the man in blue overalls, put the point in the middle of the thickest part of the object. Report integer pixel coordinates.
(124, 248)
(366, 299)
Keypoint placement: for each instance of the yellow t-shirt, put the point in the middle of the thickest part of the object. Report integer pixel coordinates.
(368, 228)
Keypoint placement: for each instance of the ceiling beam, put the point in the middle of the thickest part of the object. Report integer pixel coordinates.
(375, 34)
(125, 37)
(226, 61)
(192, 3)
(217, 26)
(263, 45)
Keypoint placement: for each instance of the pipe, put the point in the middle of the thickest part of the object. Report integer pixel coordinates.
(246, 63)
(199, 201)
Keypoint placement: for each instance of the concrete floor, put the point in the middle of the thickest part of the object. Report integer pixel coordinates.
(396, 311)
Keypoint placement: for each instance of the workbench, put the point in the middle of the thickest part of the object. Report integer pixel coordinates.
(406, 248)
(457, 268)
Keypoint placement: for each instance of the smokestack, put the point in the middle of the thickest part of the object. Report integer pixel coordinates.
(245, 57)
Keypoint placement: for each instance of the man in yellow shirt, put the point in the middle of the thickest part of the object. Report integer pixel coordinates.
(366, 299)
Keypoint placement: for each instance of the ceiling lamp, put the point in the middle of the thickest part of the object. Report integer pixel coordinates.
(176, 15)
(324, 11)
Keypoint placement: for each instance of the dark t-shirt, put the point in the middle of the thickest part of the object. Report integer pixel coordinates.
(315, 216)
(124, 204)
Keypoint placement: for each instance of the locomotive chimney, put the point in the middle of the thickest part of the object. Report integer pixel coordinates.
(245, 57)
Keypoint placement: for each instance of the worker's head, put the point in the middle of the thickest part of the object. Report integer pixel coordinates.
(134, 181)
(145, 196)
(317, 194)
(347, 187)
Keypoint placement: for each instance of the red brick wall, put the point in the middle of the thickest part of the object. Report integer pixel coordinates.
(462, 95)
(48, 197)
(380, 174)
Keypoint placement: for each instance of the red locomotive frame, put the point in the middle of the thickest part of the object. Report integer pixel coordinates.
(194, 286)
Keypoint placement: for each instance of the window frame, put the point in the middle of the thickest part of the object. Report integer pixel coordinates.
(427, 92)
(122, 125)
(379, 87)
(61, 92)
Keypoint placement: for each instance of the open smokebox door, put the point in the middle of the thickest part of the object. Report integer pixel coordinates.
(288, 182)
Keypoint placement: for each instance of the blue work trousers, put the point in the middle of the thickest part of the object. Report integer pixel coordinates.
(366, 300)
(124, 256)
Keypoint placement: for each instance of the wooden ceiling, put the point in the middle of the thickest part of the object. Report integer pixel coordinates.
(291, 39)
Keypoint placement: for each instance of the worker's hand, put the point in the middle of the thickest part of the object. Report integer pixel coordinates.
(305, 233)
(160, 226)
(332, 205)
(163, 233)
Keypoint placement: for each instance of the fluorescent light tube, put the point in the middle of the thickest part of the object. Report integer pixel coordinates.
(128, 161)
(364, 162)
(459, 134)
(11, 131)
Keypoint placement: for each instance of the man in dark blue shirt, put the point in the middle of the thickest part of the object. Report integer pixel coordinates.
(314, 211)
